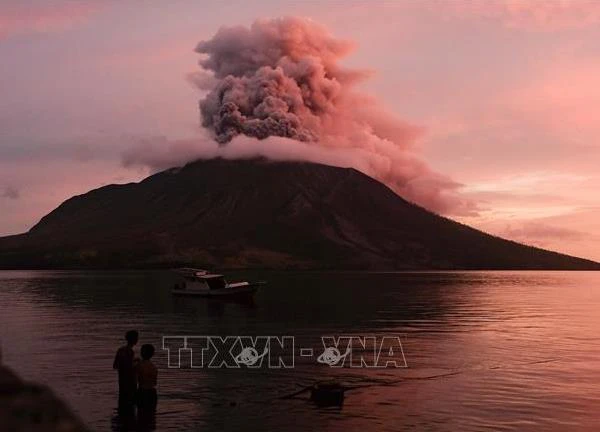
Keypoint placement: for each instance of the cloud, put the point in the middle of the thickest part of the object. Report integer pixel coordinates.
(526, 182)
(546, 15)
(10, 193)
(159, 153)
(541, 234)
(31, 16)
(560, 100)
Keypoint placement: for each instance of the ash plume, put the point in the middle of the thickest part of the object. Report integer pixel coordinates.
(277, 78)
(277, 88)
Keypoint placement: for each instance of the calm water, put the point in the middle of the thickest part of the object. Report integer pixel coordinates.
(525, 346)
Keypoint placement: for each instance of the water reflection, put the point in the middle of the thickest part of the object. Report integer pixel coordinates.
(61, 328)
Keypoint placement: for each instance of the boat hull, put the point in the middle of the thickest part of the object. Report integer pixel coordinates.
(231, 292)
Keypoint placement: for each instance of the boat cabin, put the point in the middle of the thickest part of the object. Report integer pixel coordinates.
(202, 280)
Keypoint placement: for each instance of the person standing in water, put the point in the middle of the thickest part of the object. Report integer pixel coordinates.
(147, 377)
(125, 364)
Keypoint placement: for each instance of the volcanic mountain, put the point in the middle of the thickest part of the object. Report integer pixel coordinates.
(261, 214)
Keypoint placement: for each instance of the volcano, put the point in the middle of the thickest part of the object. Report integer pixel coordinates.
(258, 213)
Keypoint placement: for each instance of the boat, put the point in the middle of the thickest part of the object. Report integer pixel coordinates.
(202, 283)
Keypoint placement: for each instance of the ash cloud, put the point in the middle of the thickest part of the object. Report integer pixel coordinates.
(277, 89)
(277, 78)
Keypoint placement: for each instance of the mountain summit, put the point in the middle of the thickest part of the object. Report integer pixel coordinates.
(262, 214)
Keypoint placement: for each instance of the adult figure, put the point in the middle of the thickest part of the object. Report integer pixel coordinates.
(125, 363)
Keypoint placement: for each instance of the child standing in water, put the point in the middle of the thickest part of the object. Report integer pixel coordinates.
(146, 378)
(124, 363)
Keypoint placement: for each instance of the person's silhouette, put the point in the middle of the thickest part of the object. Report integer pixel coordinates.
(147, 377)
(125, 364)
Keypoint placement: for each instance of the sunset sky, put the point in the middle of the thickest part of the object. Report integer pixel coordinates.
(506, 93)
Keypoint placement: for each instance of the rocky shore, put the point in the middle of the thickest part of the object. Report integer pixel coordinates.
(31, 407)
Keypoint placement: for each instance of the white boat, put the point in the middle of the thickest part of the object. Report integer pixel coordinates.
(202, 283)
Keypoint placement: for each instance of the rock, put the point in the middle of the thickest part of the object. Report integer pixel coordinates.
(31, 407)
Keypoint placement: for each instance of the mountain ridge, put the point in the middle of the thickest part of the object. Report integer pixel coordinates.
(257, 213)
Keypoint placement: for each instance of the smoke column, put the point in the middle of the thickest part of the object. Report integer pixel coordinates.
(277, 89)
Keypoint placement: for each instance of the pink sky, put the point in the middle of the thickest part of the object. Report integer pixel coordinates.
(506, 92)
